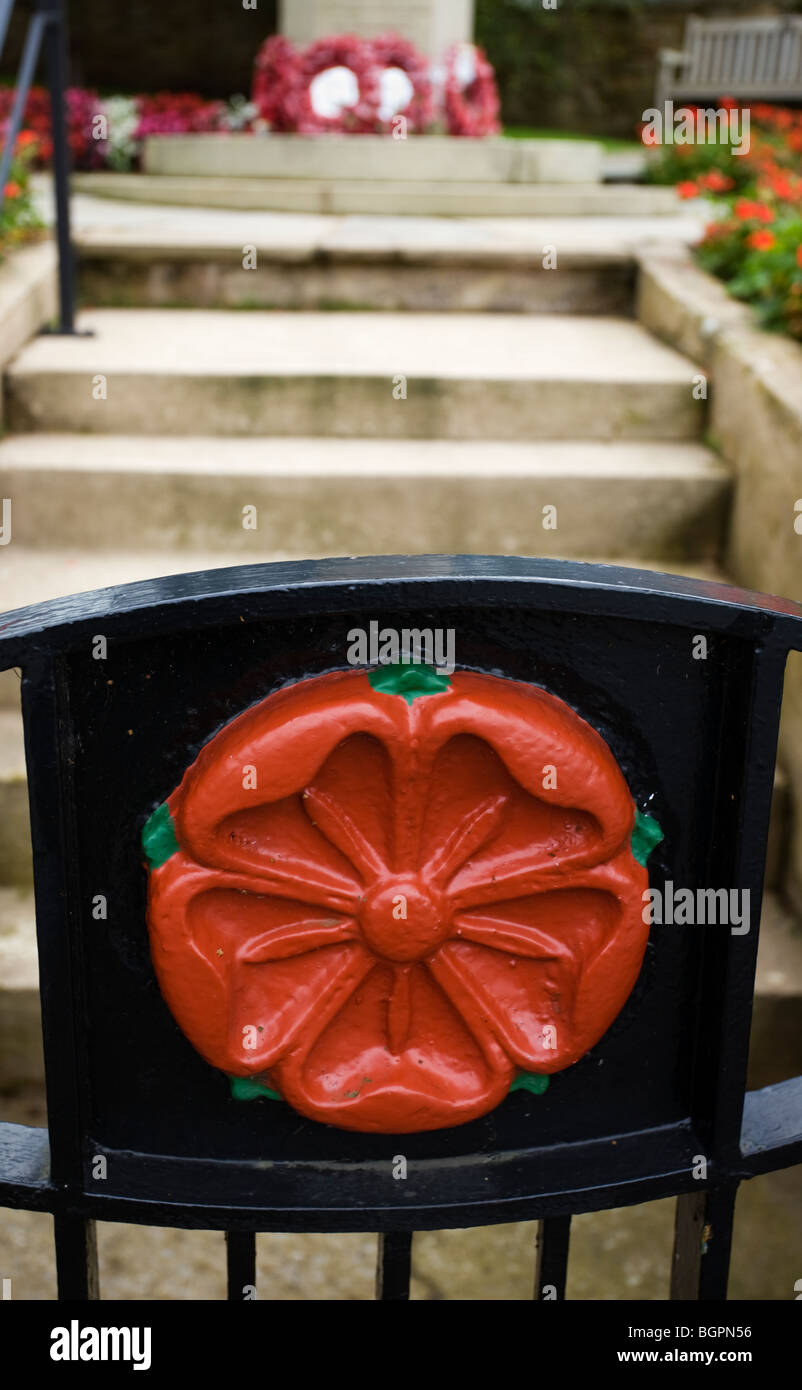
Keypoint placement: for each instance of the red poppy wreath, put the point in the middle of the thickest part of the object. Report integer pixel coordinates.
(470, 96)
(389, 897)
(277, 92)
(345, 56)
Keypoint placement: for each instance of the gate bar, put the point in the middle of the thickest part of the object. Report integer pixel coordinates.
(394, 1266)
(702, 1244)
(76, 1258)
(240, 1264)
(551, 1258)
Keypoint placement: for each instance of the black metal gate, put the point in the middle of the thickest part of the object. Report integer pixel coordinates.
(106, 739)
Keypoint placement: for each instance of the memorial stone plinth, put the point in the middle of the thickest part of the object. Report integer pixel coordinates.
(432, 25)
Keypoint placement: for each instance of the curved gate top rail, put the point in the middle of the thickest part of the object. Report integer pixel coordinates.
(136, 697)
(566, 586)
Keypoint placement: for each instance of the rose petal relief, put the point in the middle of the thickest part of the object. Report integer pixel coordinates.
(386, 909)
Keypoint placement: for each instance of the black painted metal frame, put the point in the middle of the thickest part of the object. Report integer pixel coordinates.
(616, 643)
(47, 31)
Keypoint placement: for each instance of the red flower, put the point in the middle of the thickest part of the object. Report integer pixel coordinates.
(781, 185)
(716, 181)
(799, 255)
(177, 113)
(12, 190)
(687, 189)
(720, 228)
(761, 240)
(371, 895)
(749, 211)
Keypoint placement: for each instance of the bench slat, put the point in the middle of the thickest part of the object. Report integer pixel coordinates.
(746, 59)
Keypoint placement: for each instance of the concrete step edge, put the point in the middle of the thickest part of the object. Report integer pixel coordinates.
(280, 457)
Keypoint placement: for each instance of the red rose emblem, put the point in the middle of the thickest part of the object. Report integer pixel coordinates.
(386, 895)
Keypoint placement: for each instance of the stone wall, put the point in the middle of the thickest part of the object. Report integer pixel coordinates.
(757, 419)
(756, 422)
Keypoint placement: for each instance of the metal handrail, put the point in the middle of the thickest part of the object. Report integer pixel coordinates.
(47, 33)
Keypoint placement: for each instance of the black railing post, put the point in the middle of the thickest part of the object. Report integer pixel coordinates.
(6, 6)
(56, 61)
(27, 68)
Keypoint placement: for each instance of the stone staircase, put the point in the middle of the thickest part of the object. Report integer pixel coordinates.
(182, 438)
(410, 376)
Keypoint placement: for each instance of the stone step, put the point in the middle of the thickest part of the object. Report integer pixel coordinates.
(15, 836)
(381, 375)
(140, 255)
(547, 276)
(345, 497)
(158, 258)
(388, 196)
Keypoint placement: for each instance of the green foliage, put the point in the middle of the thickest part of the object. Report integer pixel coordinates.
(769, 277)
(671, 164)
(754, 242)
(19, 220)
(588, 65)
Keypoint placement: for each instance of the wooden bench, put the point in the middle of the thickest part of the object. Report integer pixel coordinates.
(748, 59)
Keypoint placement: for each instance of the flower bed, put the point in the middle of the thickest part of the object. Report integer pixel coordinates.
(108, 132)
(754, 242)
(19, 221)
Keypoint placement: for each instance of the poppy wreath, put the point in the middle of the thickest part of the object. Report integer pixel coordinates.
(472, 110)
(389, 897)
(391, 51)
(276, 91)
(344, 51)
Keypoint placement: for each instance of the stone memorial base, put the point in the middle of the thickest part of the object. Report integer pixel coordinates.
(388, 197)
(421, 158)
